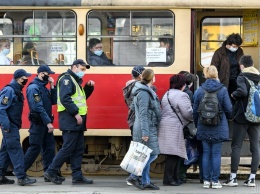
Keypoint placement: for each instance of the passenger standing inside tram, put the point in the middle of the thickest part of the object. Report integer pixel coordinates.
(72, 109)
(212, 134)
(147, 118)
(40, 101)
(226, 60)
(4, 51)
(11, 109)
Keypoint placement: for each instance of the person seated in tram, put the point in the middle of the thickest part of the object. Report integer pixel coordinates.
(96, 56)
(30, 55)
(168, 44)
(4, 51)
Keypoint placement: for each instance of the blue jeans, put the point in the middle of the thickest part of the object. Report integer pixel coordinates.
(146, 170)
(211, 161)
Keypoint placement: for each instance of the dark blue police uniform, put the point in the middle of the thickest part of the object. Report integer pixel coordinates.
(40, 101)
(72, 133)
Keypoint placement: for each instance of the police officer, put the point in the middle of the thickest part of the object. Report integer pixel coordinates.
(72, 109)
(40, 101)
(11, 108)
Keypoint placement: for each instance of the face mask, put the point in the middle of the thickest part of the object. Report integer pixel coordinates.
(45, 77)
(232, 49)
(80, 74)
(24, 82)
(98, 52)
(6, 51)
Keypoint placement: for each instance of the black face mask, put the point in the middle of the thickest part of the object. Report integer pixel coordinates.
(45, 77)
(24, 82)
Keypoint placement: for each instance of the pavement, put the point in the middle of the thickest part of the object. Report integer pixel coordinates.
(117, 185)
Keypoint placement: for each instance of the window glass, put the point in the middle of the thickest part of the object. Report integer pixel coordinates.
(40, 37)
(214, 32)
(131, 38)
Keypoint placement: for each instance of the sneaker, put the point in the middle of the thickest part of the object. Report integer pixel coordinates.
(53, 178)
(4, 181)
(151, 186)
(216, 185)
(206, 185)
(128, 183)
(135, 183)
(250, 183)
(81, 181)
(26, 181)
(231, 183)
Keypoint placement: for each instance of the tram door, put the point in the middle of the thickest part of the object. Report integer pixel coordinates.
(212, 28)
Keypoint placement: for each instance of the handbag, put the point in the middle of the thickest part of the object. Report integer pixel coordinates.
(189, 130)
(136, 158)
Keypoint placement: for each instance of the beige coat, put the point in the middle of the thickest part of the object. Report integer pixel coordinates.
(170, 135)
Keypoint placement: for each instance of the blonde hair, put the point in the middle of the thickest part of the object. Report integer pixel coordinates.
(210, 72)
(147, 76)
(3, 41)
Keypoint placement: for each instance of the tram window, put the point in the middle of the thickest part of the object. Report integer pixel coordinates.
(214, 31)
(52, 32)
(132, 37)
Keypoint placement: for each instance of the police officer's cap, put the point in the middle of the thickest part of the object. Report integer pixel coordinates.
(81, 62)
(20, 73)
(45, 68)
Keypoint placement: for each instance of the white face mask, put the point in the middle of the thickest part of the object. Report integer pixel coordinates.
(232, 49)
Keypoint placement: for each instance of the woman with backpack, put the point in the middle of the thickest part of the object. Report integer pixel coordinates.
(211, 110)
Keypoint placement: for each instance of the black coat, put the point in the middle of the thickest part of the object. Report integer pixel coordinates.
(242, 92)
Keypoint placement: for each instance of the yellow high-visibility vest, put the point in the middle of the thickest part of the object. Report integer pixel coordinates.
(79, 98)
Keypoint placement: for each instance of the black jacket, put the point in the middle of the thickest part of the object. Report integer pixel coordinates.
(242, 92)
(67, 120)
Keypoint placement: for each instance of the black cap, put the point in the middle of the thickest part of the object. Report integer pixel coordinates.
(137, 70)
(81, 62)
(20, 73)
(45, 68)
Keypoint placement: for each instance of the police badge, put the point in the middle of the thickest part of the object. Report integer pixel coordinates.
(66, 82)
(37, 98)
(4, 100)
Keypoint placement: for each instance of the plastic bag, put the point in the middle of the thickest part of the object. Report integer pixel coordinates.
(192, 152)
(136, 158)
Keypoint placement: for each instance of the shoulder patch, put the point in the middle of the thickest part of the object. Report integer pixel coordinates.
(37, 98)
(4, 100)
(66, 82)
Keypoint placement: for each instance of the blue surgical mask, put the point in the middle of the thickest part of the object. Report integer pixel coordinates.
(232, 49)
(80, 74)
(6, 51)
(98, 52)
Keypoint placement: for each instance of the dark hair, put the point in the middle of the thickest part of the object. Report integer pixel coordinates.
(28, 46)
(177, 81)
(147, 76)
(234, 39)
(246, 60)
(167, 40)
(189, 77)
(93, 42)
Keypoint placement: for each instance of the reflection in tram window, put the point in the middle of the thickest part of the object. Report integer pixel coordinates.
(131, 37)
(54, 33)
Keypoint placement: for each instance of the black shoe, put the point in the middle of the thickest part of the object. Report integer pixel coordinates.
(53, 178)
(173, 183)
(135, 183)
(4, 180)
(151, 186)
(26, 181)
(60, 176)
(81, 181)
(48, 180)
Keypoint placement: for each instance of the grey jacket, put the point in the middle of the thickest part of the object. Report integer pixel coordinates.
(147, 116)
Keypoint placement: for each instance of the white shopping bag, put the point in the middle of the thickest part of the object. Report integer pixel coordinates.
(136, 158)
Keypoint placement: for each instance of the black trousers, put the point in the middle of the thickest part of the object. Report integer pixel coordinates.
(171, 169)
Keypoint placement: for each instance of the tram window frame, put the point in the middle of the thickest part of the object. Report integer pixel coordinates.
(62, 54)
(109, 33)
(205, 57)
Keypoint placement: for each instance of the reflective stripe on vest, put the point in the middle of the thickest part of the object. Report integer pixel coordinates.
(79, 98)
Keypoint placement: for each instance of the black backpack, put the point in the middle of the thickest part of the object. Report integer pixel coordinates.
(209, 109)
